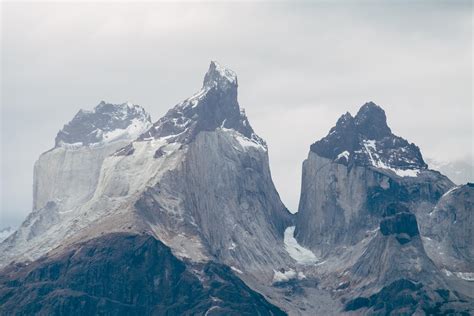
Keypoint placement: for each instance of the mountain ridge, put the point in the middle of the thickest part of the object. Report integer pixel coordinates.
(197, 182)
(367, 140)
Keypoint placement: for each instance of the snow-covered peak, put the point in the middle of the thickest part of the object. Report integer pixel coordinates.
(105, 123)
(219, 77)
(213, 107)
(367, 140)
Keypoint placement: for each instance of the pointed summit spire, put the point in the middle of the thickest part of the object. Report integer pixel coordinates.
(214, 107)
(372, 122)
(220, 77)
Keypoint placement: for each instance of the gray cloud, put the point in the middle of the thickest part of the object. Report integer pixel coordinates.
(300, 66)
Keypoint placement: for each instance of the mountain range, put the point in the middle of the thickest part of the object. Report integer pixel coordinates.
(181, 217)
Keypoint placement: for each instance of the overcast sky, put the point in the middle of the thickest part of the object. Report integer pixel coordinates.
(299, 67)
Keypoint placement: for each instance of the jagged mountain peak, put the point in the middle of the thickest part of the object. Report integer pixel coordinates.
(107, 122)
(214, 106)
(367, 140)
(372, 121)
(346, 120)
(219, 77)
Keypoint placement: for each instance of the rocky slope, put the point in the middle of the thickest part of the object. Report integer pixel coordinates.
(68, 173)
(198, 180)
(66, 176)
(223, 178)
(190, 202)
(396, 264)
(366, 201)
(449, 238)
(125, 274)
(353, 173)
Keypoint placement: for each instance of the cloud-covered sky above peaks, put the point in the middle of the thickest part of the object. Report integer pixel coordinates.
(300, 66)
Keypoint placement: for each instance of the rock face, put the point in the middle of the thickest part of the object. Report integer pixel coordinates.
(351, 175)
(198, 180)
(223, 179)
(398, 221)
(68, 173)
(125, 274)
(449, 237)
(169, 218)
(405, 297)
(395, 251)
(366, 202)
(67, 176)
(366, 140)
(395, 262)
(213, 107)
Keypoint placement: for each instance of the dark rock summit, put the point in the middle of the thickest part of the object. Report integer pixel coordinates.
(354, 173)
(367, 140)
(366, 202)
(372, 122)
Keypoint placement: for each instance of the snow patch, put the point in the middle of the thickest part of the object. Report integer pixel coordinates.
(296, 251)
(243, 141)
(371, 149)
(228, 74)
(236, 270)
(193, 101)
(136, 127)
(132, 131)
(71, 146)
(451, 190)
(287, 275)
(468, 276)
(211, 309)
(246, 142)
(345, 154)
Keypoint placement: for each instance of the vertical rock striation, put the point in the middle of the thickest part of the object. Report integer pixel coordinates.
(353, 173)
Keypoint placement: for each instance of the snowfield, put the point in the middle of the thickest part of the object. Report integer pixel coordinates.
(296, 251)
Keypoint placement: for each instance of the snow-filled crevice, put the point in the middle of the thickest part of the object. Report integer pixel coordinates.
(301, 254)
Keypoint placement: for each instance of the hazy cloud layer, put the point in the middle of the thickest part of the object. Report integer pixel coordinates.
(299, 67)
